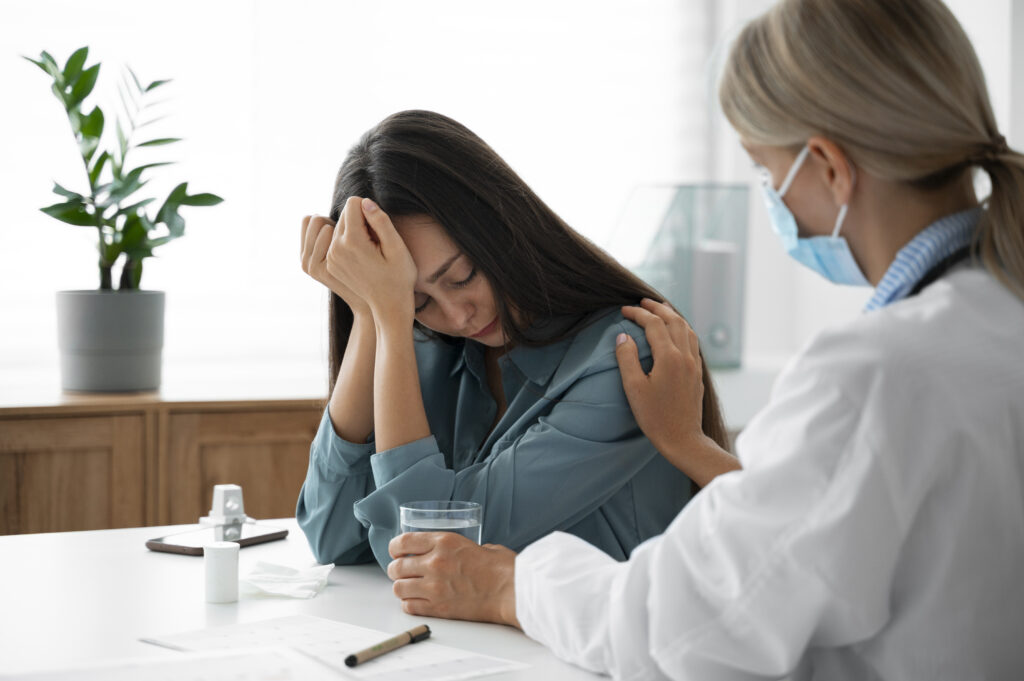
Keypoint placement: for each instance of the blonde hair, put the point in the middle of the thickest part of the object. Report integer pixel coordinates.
(897, 85)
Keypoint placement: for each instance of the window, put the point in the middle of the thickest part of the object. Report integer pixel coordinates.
(584, 99)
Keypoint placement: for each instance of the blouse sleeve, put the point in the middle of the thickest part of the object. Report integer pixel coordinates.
(338, 476)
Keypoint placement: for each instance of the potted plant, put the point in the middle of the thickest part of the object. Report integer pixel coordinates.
(111, 339)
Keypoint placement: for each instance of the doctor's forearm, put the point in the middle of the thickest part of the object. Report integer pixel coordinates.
(398, 410)
(701, 459)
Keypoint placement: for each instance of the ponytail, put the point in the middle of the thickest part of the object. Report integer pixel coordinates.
(999, 239)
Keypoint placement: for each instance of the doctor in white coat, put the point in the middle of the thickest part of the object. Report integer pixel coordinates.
(876, 530)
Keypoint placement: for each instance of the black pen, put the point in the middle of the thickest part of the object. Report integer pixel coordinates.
(414, 635)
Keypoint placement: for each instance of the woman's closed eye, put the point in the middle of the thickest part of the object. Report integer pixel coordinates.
(462, 283)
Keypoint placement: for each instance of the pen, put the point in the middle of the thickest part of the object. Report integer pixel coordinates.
(414, 635)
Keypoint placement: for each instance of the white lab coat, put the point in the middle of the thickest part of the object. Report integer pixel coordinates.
(877, 531)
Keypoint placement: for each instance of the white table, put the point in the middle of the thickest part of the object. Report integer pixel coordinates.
(75, 597)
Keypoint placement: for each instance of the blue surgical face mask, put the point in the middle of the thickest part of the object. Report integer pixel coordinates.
(829, 256)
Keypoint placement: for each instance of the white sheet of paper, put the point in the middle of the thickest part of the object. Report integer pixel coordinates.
(331, 642)
(280, 664)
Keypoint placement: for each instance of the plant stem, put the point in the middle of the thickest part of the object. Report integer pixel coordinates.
(127, 276)
(106, 283)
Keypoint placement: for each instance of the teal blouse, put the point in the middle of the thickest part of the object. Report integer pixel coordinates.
(566, 455)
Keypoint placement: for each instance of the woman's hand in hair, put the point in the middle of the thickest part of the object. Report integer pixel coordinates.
(369, 257)
(317, 234)
(668, 402)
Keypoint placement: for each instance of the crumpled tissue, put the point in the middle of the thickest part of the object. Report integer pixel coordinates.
(270, 579)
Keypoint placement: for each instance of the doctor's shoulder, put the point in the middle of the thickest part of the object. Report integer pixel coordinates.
(922, 347)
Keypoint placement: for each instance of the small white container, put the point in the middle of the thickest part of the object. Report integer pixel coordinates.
(221, 564)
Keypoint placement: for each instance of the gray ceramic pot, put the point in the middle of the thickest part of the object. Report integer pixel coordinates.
(110, 341)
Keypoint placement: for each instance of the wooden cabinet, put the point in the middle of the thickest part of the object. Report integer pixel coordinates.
(121, 461)
(72, 472)
(263, 450)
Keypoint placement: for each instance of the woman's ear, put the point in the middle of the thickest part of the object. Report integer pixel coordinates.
(834, 168)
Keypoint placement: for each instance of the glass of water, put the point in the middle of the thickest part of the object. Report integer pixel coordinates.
(461, 517)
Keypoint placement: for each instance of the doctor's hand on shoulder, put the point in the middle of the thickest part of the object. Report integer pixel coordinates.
(370, 259)
(668, 402)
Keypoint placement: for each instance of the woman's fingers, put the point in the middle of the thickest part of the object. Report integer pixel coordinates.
(302, 236)
(412, 544)
(321, 244)
(381, 226)
(357, 232)
(314, 227)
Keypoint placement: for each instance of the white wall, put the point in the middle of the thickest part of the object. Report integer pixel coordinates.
(586, 102)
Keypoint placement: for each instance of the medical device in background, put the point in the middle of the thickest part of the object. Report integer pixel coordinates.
(689, 242)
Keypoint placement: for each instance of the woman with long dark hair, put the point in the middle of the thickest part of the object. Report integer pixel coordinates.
(472, 357)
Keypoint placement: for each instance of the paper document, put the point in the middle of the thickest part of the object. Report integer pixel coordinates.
(281, 664)
(331, 642)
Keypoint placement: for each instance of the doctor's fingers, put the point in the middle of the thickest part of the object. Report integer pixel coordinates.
(679, 329)
(664, 351)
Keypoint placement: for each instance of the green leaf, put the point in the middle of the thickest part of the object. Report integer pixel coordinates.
(135, 79)
(159, 142)
(73, 67)
(39, 64)
(51, 63)
(157, 83)
(130, 109)
(149, 121)
(109, 253)
(72, 212)
(57, 189)
(122, 140)
(201, 200)
(132, 209)
(92, 125)
(83, 86)
(126, 186)
(156, 165)
(75, 118)
(97, 168)
(133, 234)
(87, 147)
(168, 213)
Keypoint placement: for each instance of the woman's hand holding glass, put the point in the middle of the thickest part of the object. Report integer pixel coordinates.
(443, 574)
(369, 258)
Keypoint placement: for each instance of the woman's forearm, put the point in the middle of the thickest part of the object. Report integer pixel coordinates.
(351, 405)
(397, 401)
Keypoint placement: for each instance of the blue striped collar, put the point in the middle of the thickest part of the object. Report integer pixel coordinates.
(934, 243)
